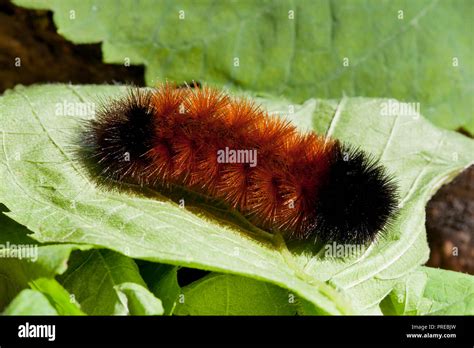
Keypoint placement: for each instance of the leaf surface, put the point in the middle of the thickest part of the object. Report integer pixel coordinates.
(50, 193)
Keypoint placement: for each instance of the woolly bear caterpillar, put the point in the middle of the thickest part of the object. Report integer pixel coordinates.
(302, 185)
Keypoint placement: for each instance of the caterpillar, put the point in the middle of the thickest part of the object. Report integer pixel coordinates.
(304, 186)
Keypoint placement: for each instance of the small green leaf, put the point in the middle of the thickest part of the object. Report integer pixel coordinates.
(138, 300)
(61, 300)
(451, 293)
(162, 280)
(39, 261)
(432, 291)
(223, 294)
(92, 278)
(406, 298)
(30, 302)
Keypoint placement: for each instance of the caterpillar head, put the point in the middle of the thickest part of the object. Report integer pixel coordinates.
(115, 143)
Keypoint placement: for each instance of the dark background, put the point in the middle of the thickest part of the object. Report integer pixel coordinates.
(47, 57)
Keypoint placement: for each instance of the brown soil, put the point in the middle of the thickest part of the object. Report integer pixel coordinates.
(450, 225)
(46, 57)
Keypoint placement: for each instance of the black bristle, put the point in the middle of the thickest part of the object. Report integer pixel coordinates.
(114, 144)
(356, 201)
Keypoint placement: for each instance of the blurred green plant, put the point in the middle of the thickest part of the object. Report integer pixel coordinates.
(415, 51)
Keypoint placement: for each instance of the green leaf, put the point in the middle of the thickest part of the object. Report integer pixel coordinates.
(162, 280)
(57, 296)
(92, 277)
(432, 291)
(49, 192)
(39, 261)
(223, 294)
(406, 298)
(30, 302)
(452, 293)
(410, 56)
(138, 299)
(12, 232)
(15, 274)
